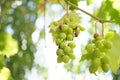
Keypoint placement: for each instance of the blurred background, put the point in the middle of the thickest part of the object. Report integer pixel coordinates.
(27, 51)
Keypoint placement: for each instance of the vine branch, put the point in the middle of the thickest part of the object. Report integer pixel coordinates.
(98, 19)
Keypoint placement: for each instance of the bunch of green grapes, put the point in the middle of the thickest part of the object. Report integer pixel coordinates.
(64, 33)
(97, 51)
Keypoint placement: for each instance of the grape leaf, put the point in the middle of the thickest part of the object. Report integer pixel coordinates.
(115, 54)
(8, 46)
(90, 2)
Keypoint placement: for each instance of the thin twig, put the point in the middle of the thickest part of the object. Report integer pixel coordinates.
(100, 20)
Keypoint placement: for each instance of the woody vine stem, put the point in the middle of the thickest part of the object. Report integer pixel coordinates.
(96, 18)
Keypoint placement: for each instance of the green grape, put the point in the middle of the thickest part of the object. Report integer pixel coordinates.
(93, 68)
(107, 44)
(99, 44)
(62, 44)
(70, 30)
(73, 26)
(59, 59)
(109, 35)
(77, 30)
(72, 44)
(96, 62)
(90, 47)
(71, 19)
(69, 37)
(97, 53)
(58, 30)
(55, 23)
(65, 58)
(71, 55)
(64, 27)
(66, 20)
(81, 28)
(62, 35)
(105, 67)
(105, 59)
(98, 38)
(60, 52)
(67, 49)
(58, 41)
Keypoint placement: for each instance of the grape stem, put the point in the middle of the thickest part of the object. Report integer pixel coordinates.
(98, 19)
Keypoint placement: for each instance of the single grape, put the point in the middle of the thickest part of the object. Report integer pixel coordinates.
(62, 35)
(65, 59)
(58, 41)
(64, 27)
(67, 49)
(77, 30)
(96, 62)
(105, 67)
(70, 31)
(81, 28)
(72, 56)
(90, 47)
(72, 25)
(69, 37)
(92, 68)
(59, 59)
(107, 44)
(71, 19)
(72, 44)
(62, 44)
(97, 53)
(99, 44)
(105, 59)
(55, 23)
(66, 20)
(60, 52)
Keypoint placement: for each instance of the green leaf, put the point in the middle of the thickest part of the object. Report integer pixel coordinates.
(115, 54)
(8, 44)
(90, 2)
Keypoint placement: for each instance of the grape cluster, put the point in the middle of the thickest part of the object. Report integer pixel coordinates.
(64, 33)
(97, 54)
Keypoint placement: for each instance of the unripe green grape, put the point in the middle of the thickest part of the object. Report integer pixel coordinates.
(70, 30)
(98, 38)
(64, 27)
(92, 68)
(58, 41)
(97, 53)
(107, 44)
(69, 37)
(66, 20)
(62, 35)
(105, 59)
(72, 25)
(60, 52)
(90, 47)
(58, 30)
(77, 30)
(81, 28)
(72, 56)
(72, 44)
(96, 62)
(65, 58)
(62, 44)
(67, 49)
(105, 67)
(99, 44)
(59, 59)
(55, 23)
(71, 19)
